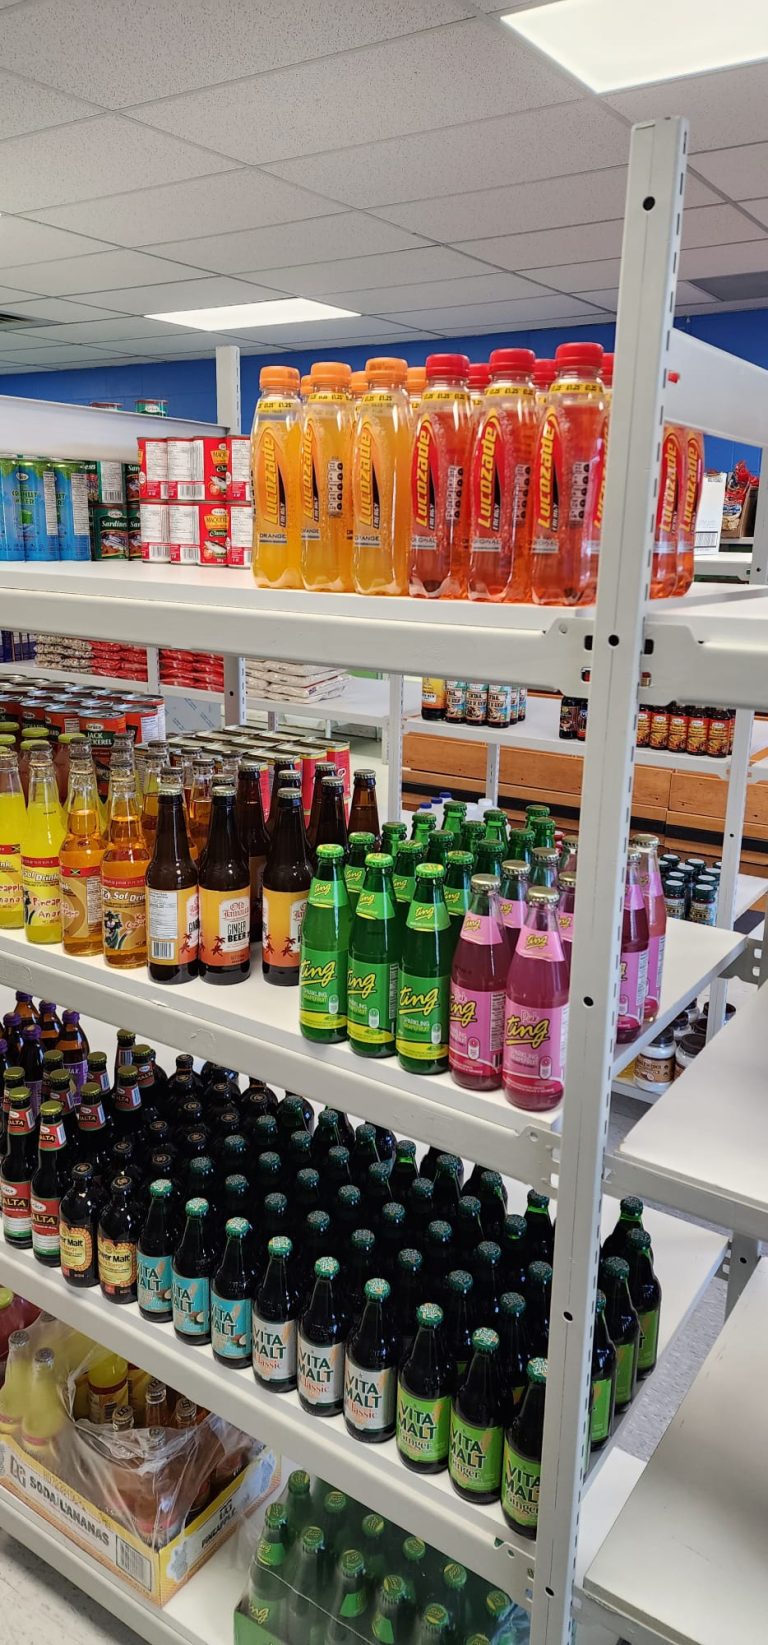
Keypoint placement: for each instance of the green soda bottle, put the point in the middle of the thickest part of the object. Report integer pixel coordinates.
(534, 810)
(603, 1379)
(441, 841)
(543, 832)
(360, 844)
(422, 825)
(490, 854)
(521, 1469)
(409, 854)
(521, 843)
(391, 835)
(472, 833)
(425, 977)
(477, 1435)
(630, 1216)
(645, 1292)
(348, 1599)
(391, 1620)
(374, 951)
(267, 1588)
(454, 812)
(544, 861)
(424, 1396)
(623, 1327)
(325, 951)
(457, 888)
(496, 825)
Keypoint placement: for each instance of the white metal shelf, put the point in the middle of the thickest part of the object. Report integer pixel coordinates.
(723, 563)
(53, 429)
(685, 1561)
(363, 702)
(74, 676)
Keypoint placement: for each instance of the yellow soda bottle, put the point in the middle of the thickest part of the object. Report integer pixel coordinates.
(275, 468)
(44, 1415)
(13, 817)
(43, 835)
(326, 476)
(82, 850)
(14, 1393)
(381, 481)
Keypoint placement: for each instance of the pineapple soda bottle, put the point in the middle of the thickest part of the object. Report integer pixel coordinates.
(500, 504)
(275, 464)
(326, 476)
(693, 480)
(567, 480)
(381, 467)
(442, 449)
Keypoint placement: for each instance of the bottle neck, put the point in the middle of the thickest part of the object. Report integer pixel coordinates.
(171, 842)
(223, 850)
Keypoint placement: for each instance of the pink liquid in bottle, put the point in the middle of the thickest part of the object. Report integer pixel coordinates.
(478, 975)
(656, 911)
(512, 901)
(633, 982)
(536, 1011)
(565, 914)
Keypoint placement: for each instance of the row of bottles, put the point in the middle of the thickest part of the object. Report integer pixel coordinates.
(448, 493)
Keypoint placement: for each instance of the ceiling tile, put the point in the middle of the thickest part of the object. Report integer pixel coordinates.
(499, 316)
(716, 225)
(336, 331)
(122, 328)
(61, 354)
(739, 172)
(234, 199)
(25, 106)
(482, 288)
(370, 273)
(349, 234)
(723, 109)
(745, 258)
(9, 294)
(18, 342)
(540, 143)
(51, 309)
(176, 343)
(758, 208)
(579, 276)
(421, 74)
(22, 241)
(91, 157)
(608, 297)
(99, 273)
(557, 245)
(178, 294)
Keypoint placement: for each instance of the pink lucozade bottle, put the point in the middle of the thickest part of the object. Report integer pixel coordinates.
(656, 911)
(633, 981)
(478, 975)
(536, 1012)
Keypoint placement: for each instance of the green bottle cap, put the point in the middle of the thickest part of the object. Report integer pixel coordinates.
(360, 837)
(363, 1239)
(497, 1603)
(379, 859)
(326, 1267)
(512, 1303)
(484, 1340)
(275, 1517)
(330, 853)
(430, 871)
(436, 1618)
(616, 1267)
(393, 1214)
(515, 1227)
(414, 1550)
(237, 1227)
(392, 1593)
(280, 1246)
(373, 1525)
(439, 1232)
(536, 1201)
(631, 1206)
(489, 1253)
(236, 1183)
(160, 1188)
(410, 1258)
(352, 1565)
(478, 1639)
(638, 1239)
(299, 1483)
(348, 1193)
(430, 1315)
(540, 1272)
(312, 1539)
(460, 1281)
(460, 859)
(537, 1370)
(448, 1162)
(455, 1576)
(196, 1207)
(377, 1290)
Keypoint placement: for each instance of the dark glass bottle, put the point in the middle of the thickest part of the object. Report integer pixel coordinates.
(364, 811)
(645, 1291)
(348, 1601)
(630, 1216)
(263, 1136)
(409, 1294)
(320, 1371)
(18, 1169)
(336, 1174)
(274, 1217)
(173, 904)
(237, 1199)
(488, 1283)
(377, 1193)
(316, 1243)
(540, 1235)
(603, 1379)
(328, 1134)
(447, 1187)
(421, 1211)
(391, 1618)
(127, 1109)
(49, 1185)
(392, 1237)
(73, 1043)
(225, 896)
(193, 1264)
(514, 1259)
(370, 1373)
(424, 1390)
(303, 1616)
(50, 1025)
(119, 1230)
(538, 1292)
(493, 1204)
(347, 1213)
(252, 826)
(305, 1197)
(124, 1162)
(332, 821)
(623, 1327)
(32, 1063)
(459, 1287)
(521, 1469)
(274, 1321)
(154, 1259)
(61, 1089)
(323, 768)
(291, 1116)
(364, 1153)
(515, 1350)
(469, 1229)
(404, 1170)
(359, 1268)
(152, 1087)
(124, 1053)
(477, 1433)
(97, 1071)
(13, 1037)
(298, 1153)
(287, 879)
(231, 1299)
(78, 1229)
(439, 1257)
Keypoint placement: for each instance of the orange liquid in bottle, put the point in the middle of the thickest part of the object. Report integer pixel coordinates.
(500, 511)
(442, 449)
(668, 513)
(693, 480)
(326, 474)
(275, 463)
(567, 480)
(381, 504)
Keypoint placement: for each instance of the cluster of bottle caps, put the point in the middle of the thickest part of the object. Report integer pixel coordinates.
(473, 702)
(691, 888)
(326, 1568)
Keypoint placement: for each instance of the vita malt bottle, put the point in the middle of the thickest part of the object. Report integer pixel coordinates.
(154, 1257)
(225, 896)
(603, 1379)
(645, 1291)
(623, 1327)
(477, 1435)
(521, 1469)
(231, 1293)
(173, 903)
(287, 879)
(322, 1329)
(425, 977)
(325, 951)
(424, 1396)
(193, 1265)
(370, 1372)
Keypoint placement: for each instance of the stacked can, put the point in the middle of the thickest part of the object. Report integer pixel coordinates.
(195, 503)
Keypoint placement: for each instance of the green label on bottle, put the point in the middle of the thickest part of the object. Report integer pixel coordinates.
(602, 1400)
(354, 874)
(423, 1427)
(402, 885)
(382, 1629)
(456, 900)
(428, 916)
(371, 1001)
(649, 1341)
(326, 894)
(323, 987)
(476, 1454)
(422, 1016)
(625, 1369)
(520, 1488)
(375, 905)
(354, 1604)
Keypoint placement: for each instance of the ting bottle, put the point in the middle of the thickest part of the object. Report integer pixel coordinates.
(43, 834)
(225, 896)
(374, 949)
(287, 879)
(633, 985)
(425, 977)
(536, 1011)
(325, 951)
(173, 903)
(123, 879)
(80, 856)
(478, 977)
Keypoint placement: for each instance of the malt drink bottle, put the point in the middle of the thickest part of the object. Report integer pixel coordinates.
(515, 875)
(321, 1333)
(32, 1063)
(567, 481)
(565, 911)
(645, 1292)
(623, 1327)
(360, 1267)
(200, 801)
(119, 1230)
(447, 1187)
(78, 1228)
(43, 834)
(370, 1371)
(332, 820)
(128, 1117)
(254, 838)
(49, 1184)
(469, 1228)
(633, 983)
(536, 1011)
(459, 1288)
(94, 1130)
(173, 910)
(364, 1154)
(478, 977)
(13, 816)
(515, 1351)
(408, 855)
(693, 479)
(521, 1467)
(374, 951)
(323, 768)
(364, 810)
(404, 1169)
(287, 879)
(225, 896)
(326, 480)
(74, 1047)
(500, 479)
(17, 1169)
(123, 879)
(274, 1321)
(656, 911)
(325, 951)
(193, 1264)
(457, 888)
(231, 1293)
(488, 1282)
(630, 1216)
(50, 1026)
(80, 856)
(425, 977)
(126, 1040)
(477, 1435)
(424, 1390)
(539, 1232)
(360, 844)
(538, 1287)
(276, 476)
(603, 1379)
(442, 447)
(409, 1294)
(154, 1257)
(391, 1619)
(381, 464)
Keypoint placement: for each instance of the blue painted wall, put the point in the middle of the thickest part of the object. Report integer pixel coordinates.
(189, 386)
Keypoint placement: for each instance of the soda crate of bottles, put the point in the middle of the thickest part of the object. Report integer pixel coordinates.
(144, 1480)
(326, 1571)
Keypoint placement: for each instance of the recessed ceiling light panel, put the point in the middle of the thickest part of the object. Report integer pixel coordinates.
(612, 44)
(284, 311)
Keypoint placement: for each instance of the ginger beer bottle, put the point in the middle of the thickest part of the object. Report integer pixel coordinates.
(521, 1470)
(173, 903)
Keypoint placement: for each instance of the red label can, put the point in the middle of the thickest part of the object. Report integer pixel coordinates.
(239, 489)
(153, 468)
(240, 538)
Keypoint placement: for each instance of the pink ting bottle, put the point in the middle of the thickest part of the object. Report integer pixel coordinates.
(478, 975)
(565, 913)
(512, 903)
(536, 1011)
(633, 981)
(656, 909)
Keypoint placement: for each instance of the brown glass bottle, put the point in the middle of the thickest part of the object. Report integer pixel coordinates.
(364, 810)
(284, 768)
(225, 895)
(173, 911)
(332, 821)
(253, 834)
(324, 768)
(287, 878)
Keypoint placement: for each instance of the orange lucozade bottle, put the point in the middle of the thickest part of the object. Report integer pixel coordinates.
(669, 507)
(442, 448)
(326, 479)
(499, 492)
(693, 480)
(275, 463)
(416, 383)
(544, 374)
(381, 469)
(567, 480)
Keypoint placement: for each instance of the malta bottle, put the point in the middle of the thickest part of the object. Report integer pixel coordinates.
(123, 879)
(477, 1435)
(478, 977)
(645, 1292)
(603, 1379)
(325, 951)
(442, 447)
(425, 977)
(225, 896)
(370, 1371)
(254, 838)
(119, 1230)
(521, 1467)
(374, 951)
(231, 1298)
(154, 1256)
(274, 1321)
(49, 1184)
(322, 1329)
(623, 1327)
(381, 462)
(536, 1010)
(13, 816)
(17, 1169)
(275, 469)
(173, 903)
(193, 1265)
(424, 1392)
(80, 856)
(43, 834)
(287, 879)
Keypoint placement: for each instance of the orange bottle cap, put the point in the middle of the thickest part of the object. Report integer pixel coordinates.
(579, 356)
(330, 374)
(358, 383)
(286, 377)
(306, 384)
(385, 369)
(416, 381)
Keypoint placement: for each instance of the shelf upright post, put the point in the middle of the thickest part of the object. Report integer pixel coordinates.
(395, 748)
(229, 412)
(492, 768)
(650, 254)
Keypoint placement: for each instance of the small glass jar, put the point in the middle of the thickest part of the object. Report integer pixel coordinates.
(687, 1051)
(655, 1064)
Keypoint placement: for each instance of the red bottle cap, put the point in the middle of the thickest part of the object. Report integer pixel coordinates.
(518, 361)
(447, 365)
(606, 370)
(544, 373)
(579, 356)
(479, 374)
